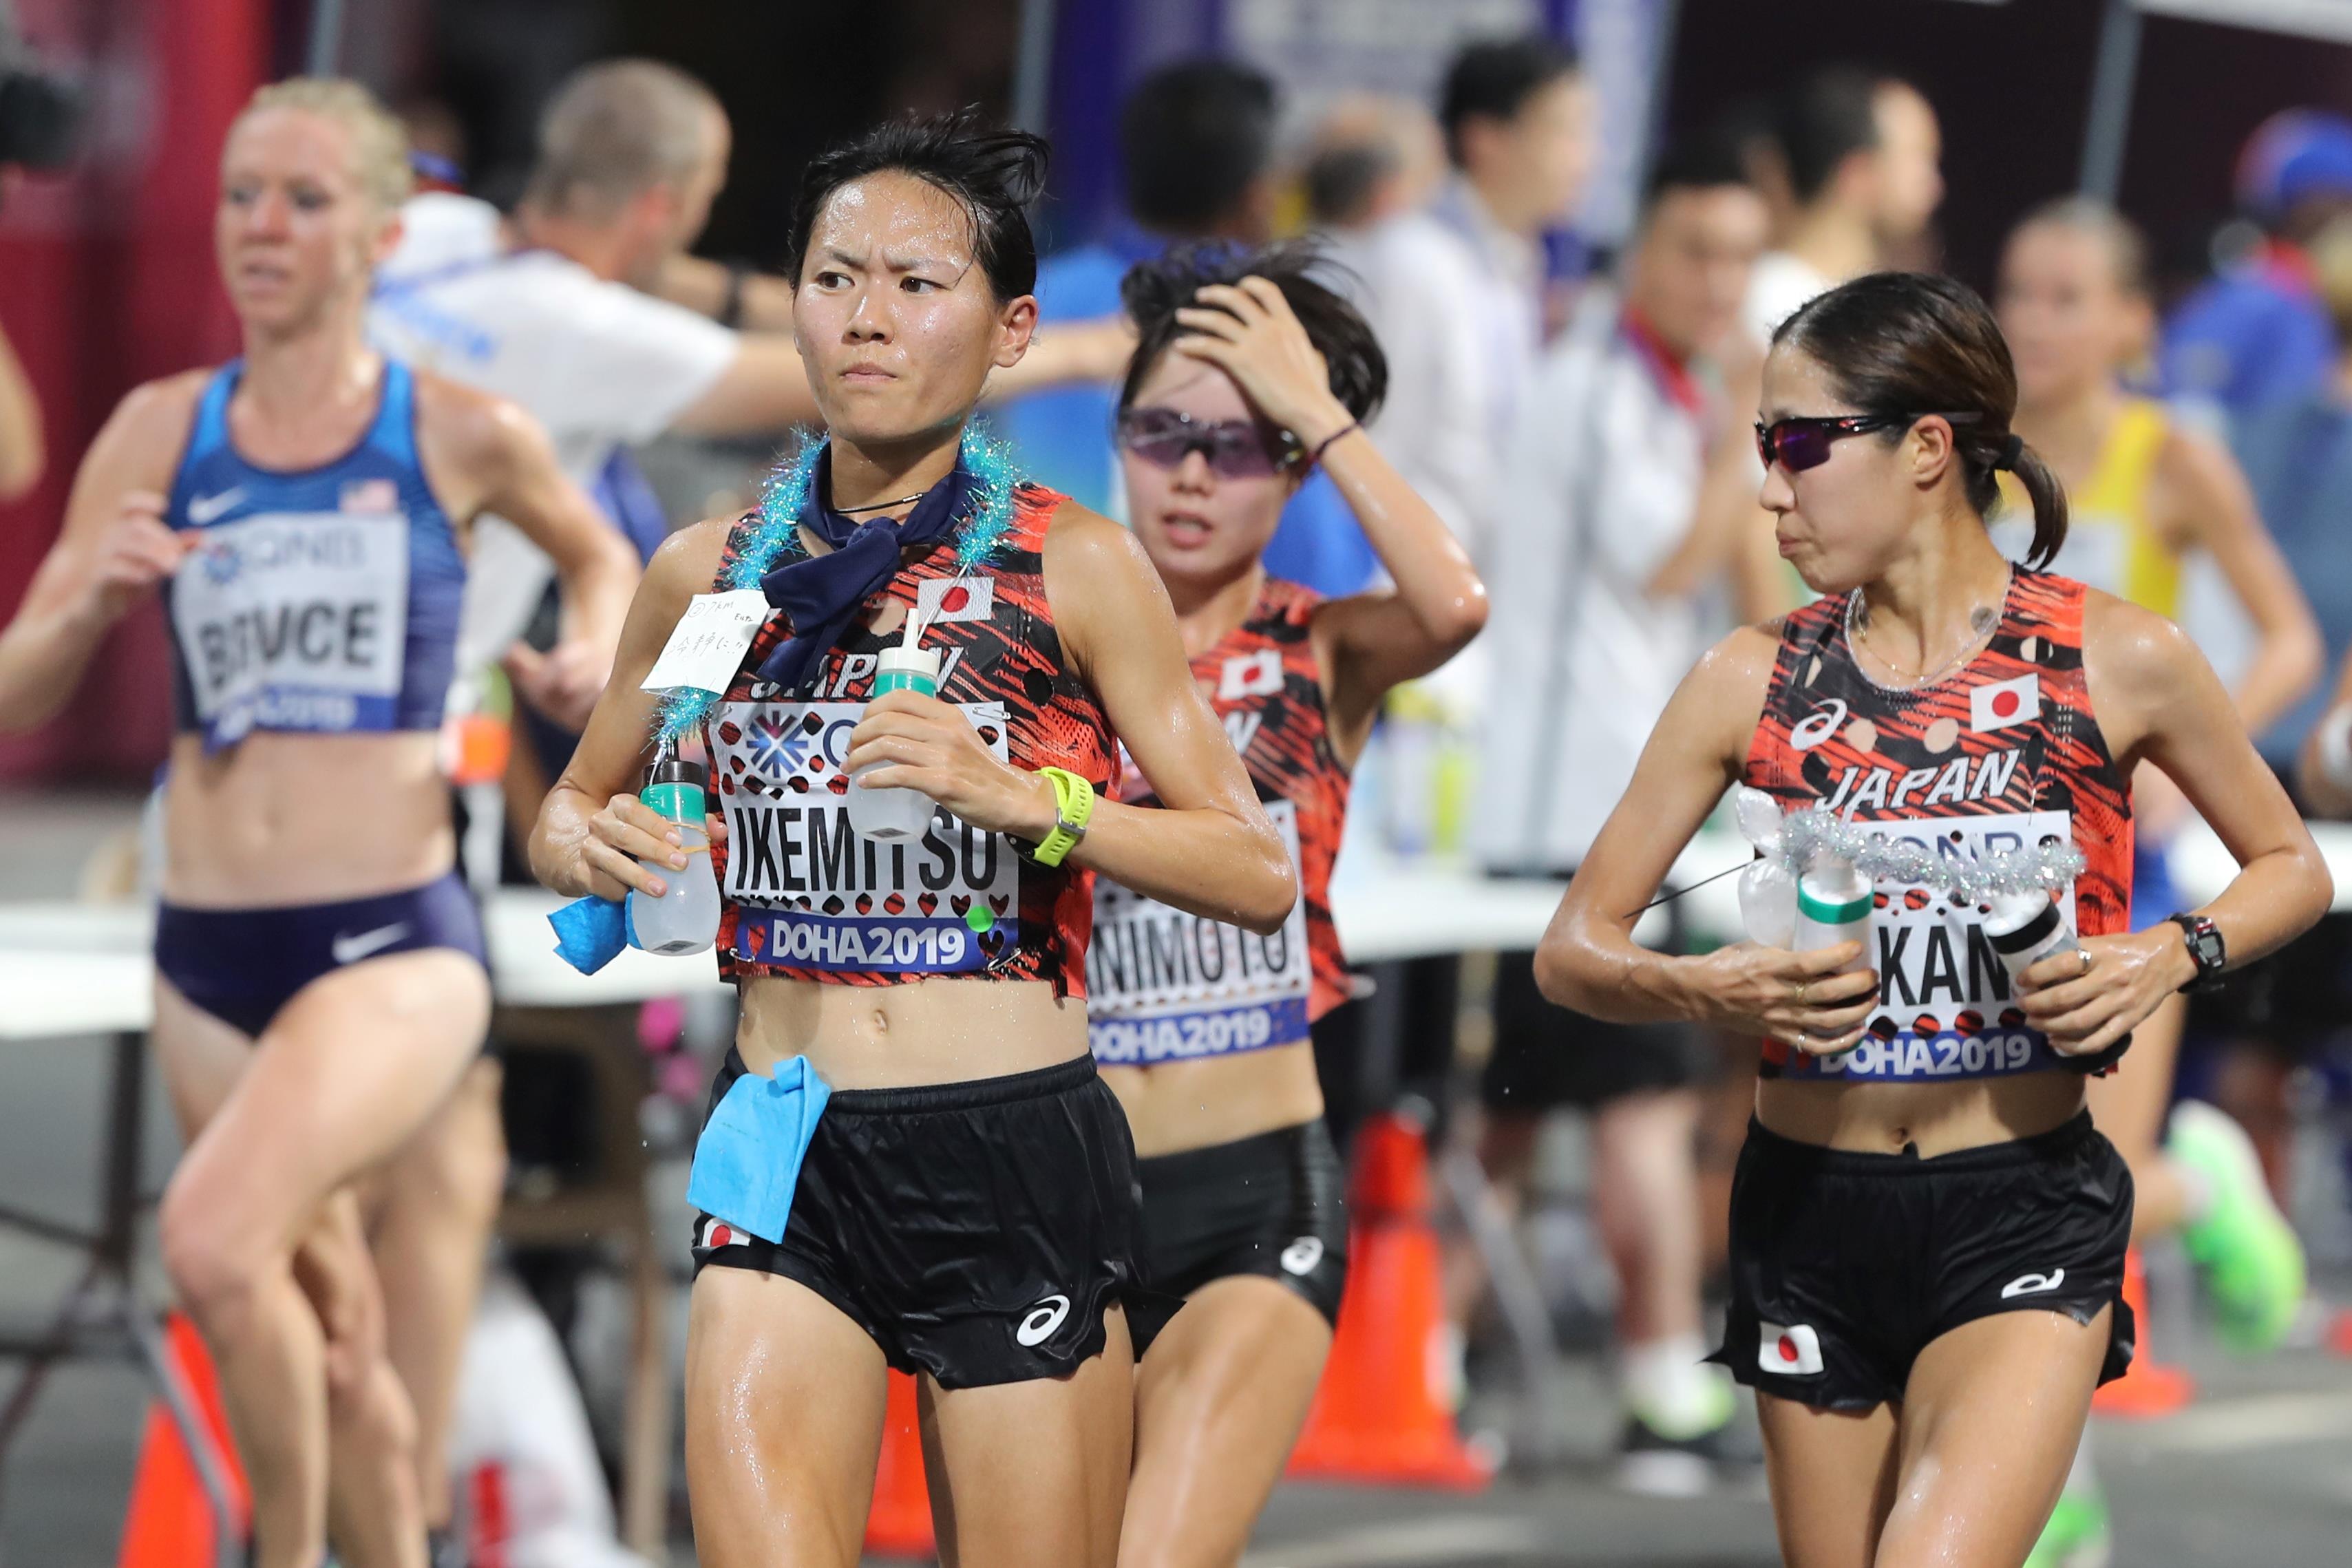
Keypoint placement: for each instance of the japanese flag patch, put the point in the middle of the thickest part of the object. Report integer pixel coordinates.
(718, 1233)
(1255, 674)
(956, 599)
(1999, 704)
(1794, 1351)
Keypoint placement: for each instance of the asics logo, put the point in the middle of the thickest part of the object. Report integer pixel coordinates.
(2034, 1284)
(1042, 1319)
(202, 510)
(351, 949)
(1301, 1255)
(1818, 725)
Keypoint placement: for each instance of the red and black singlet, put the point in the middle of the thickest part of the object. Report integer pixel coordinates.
(1164, 986)
(803, 896)
(2003, 753)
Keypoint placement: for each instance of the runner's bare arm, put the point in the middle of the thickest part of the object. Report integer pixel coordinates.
(1212, 851)
(513, 473)
(765, 389)
(1372, 641)
(111, 553)
(592, 827)
(1588, 960)
(1061, 353)
(2316, 779)
(2159, 701)
(2217, 508)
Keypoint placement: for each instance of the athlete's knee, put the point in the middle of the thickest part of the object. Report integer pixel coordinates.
(215, 1266)
(367, 1404)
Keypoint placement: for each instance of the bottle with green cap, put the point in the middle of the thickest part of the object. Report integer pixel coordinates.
(1834, 905)
(685, 918)
(895, 813)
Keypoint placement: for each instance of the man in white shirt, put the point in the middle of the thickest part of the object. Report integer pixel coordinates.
(1862, 160)
(1517, 118)
(1375, 164)
(1604, 567)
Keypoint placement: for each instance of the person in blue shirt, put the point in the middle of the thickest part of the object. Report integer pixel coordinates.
(1196, 153)
(2260, 332)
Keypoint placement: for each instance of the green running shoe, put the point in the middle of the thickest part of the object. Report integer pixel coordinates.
(2250, 1256)
(2078, 1534)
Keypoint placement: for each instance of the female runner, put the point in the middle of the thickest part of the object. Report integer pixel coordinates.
(2144, 494)
(1928, 1235)
(965, 1208)
(320, 981)
(1248, 373)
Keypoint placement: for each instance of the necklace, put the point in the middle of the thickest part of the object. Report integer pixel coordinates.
(880, 505)
(1983, 621)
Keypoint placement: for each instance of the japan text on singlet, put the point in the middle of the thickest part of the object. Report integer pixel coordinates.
(2003, 752)
(323, 600)
(1164, 986)
(803, 896)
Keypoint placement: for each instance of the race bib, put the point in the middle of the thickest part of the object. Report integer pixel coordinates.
(294, 621)
(1946, 1007)
(812, 894)
(1164, 986)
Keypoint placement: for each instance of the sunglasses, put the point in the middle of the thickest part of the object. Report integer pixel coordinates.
(1804, 443)
(1235, 448)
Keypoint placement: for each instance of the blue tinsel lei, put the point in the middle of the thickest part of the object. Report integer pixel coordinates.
(783, 497)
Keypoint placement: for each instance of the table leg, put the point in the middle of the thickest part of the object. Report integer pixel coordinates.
(195, 1436)
(644, 1475)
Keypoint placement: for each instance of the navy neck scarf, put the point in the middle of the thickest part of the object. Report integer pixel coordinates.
(821, 593)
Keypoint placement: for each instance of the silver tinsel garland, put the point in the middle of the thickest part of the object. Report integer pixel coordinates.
(1807, 835)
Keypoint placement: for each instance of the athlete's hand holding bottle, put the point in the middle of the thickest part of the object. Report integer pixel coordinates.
(930, 746)
(1810, 1000)
(2087, 999)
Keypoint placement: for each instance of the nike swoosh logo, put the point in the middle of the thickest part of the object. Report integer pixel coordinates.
(2034, 1284)
(1042, 1319)
(351, 949)
(202, 510)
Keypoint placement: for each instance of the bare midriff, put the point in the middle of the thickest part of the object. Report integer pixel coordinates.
(304, 819)
(1935, 1119)
(1175, 1106)
(947, 1030)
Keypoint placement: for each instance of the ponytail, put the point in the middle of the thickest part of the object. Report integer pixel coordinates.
(2048, 498)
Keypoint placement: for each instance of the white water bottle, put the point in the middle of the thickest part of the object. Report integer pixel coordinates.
(2026, 927)
(896, 813)
(685, 918)
(1834, 905)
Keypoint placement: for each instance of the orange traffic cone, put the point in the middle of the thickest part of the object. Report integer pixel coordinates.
(2148, 1388)
(898, 1524)
(1382, 1414)
(170, 1524)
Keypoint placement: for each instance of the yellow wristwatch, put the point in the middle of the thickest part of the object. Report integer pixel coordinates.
(1073, 808)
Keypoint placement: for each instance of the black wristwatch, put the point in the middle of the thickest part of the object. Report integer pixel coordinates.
(2205, 949)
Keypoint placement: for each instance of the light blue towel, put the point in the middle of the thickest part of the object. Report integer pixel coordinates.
(747, 1160)
(590, 933)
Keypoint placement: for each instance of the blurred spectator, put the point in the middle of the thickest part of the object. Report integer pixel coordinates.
(2260, 332)
(22, 455)
(1196, 148)
(1862, 159)
(1374, 164)
(1603, 562)
(1517, 118)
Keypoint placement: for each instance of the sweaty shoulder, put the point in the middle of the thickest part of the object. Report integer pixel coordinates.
(686, 562)
(1097, 579)
(149, 429)
(2136, 663)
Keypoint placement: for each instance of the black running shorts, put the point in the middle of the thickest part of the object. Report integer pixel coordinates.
(1272, 1206)
(1845, 1265)
(978, 1231)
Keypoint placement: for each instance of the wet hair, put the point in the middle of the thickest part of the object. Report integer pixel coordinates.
(1823, 120)
(1494, 79)
(1192, 138)
(993, 175)
(1702, 161)
(2127, 246)
(615, 130)
(378, 141)
(1911, 342)
(1153, 291)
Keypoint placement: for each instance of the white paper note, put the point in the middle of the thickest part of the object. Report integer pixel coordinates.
(706, 647)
